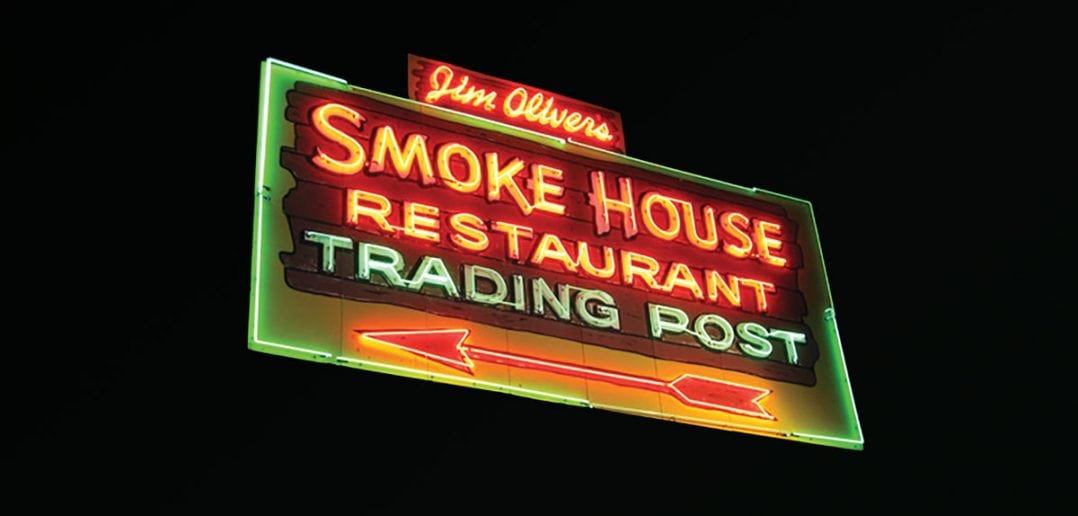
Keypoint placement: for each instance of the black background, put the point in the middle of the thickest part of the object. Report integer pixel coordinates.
(133, 386)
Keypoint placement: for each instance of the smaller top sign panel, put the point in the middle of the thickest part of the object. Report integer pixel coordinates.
(452, 87)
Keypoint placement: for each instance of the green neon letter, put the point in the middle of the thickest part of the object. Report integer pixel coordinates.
(663, 318)
(754, 340)
(471, 293)
(518, 293)
(432, 271)
(330, 243)
(706, 339)
(791, 339)
(542, 295)
(387, 262)
(606, 313)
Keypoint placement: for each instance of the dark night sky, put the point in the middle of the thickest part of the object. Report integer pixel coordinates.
(888, 120)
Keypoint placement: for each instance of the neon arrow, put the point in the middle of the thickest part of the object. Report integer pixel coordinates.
(447, 348)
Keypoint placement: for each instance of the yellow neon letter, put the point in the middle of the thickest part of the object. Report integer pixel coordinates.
(419, 220)
(378, 215)
(475, 174)
(765, 243)
(602, 204)
(415, 152)
(356, 155)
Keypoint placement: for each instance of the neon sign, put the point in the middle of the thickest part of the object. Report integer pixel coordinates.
(452, 87)
(439, 245)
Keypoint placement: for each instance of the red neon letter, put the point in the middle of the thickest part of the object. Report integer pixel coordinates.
(602, 204)
(765, 244)
(356, 155)
(415, 151)
(513, 233)
(734, 224)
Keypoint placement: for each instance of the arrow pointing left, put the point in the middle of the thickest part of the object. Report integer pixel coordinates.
(447, 347)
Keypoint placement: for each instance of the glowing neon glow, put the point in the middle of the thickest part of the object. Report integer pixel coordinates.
(357, 206)
(513, 234)
(475, 174)
(636, 265)
(583, 258)
(765, 244)
(679, 275)
(673, 218)
(537, 108)
(541, 175)
(469, 232)
(273, 329)
(414, 153)
(421, 221)
(551, 248)
(729, 289)
(707, 243)
(356, 156)
(447, 347)
(442, 84)
(603, 204)
(761, 288)
(501, 177)
(735, 224)
(442, 78)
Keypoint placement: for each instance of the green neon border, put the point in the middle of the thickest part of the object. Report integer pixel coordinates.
(568, 145)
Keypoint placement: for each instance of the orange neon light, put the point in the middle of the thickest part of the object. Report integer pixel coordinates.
(524, 106)
(735, 224)
(320, 117)
(583, 258)
(603, 204)
(766, 244)
(499, 178)
(711, 241)
(761, 288)
(355, 209)
(448, 348)
(673, 217)
(716, 284)
(635, 265)
(440, 85)
(475, 173)
(421, 221)
(551, 248)
(535, 107)
(414, 153)
(541, 174)
(679, 275)
(513, 234)
(469, 232)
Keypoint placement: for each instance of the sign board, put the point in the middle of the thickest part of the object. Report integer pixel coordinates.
(403, 238)
(452, 87)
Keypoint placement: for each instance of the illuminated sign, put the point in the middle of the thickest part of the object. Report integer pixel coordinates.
(452, 87)
(433, 244)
